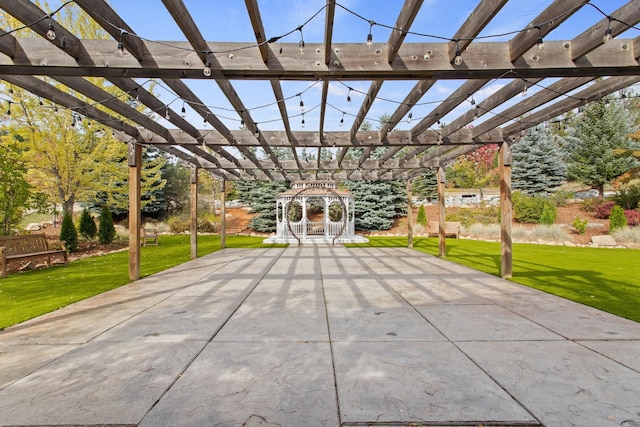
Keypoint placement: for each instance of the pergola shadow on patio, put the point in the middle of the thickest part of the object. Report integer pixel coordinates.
(317, 335)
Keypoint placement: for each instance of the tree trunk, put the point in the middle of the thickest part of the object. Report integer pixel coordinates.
(67, 206)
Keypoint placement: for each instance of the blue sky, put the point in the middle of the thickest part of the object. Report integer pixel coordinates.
(229, 21)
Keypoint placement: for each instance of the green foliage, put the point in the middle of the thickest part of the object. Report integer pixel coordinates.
(477, 169)
(87, 227)
(628, 197)
(15, 191)
(617, 219)
(580, 225)
(591, 144)
(377, 203)
(590, 204)
(68, 233)
(549, 213)
(537, 162)
(106, 230)
(528, 209)
(561, 197)
(425, 185)
(422, 216)
(261, 196)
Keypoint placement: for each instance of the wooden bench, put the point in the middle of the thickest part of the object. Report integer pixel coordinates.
(29, 246)
(450, 229)
(149, 237)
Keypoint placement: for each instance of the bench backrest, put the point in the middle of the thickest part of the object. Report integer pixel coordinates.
(29, 243)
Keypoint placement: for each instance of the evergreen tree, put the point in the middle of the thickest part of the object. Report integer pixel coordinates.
(537, 163)
(106, 230)
(87, 226)
(617, 219)
(68, 233)
(377, 203)
(261, 197)
(592, 143)
(422, 216)
(425, 185)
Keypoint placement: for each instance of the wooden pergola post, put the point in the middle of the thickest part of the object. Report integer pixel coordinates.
(135, 219)
(223, 215)
(506, 256)
(194, 213)
(442, 246)
(409, 213)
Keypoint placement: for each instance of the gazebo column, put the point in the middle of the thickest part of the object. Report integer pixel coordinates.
(223, 215)
(506, 256)
(135, 219)
(194, 213)
(442, 214)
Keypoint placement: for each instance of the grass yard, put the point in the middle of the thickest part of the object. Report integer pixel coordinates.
(607, 279)
(30, 294)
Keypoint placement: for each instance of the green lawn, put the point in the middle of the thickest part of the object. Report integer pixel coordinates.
(30, 294)
(608, 279)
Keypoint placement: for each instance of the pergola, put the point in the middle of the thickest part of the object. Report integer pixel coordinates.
(591, 65)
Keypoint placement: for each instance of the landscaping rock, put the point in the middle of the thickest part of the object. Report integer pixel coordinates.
(604, 240)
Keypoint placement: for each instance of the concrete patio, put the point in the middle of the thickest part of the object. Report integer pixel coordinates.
(321, 336)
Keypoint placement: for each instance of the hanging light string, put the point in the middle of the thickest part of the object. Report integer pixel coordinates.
(299, 28)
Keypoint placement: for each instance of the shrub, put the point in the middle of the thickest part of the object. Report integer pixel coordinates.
(529, 209)
(87, 227)
(561, 197)
(549, 213)
(633, 217)
(627, 235)
(628, 198)
(617, 219)
(68, 233)
(468, 216)
(178, 224)
(590, 204)
(422, 216)
(106, 230)
(580, 225)
(206, 226)
(543, 233)
(603, 210)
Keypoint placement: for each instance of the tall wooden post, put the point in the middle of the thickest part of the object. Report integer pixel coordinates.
(506, 265)
(135, 219)
(223, 215)
(194, 213)
(442, 246)
(409, 213)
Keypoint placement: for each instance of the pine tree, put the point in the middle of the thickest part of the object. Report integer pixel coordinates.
(592, 143)
(87, 226)
(106, 230)
(377, 203)
(261, 197)
(425, 185)
(537, 163)
(68, 233)
(422, 216)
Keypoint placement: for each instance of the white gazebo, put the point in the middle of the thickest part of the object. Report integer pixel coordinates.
(315, 212)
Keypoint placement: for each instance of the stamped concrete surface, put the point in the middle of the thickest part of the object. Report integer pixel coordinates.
(321, 336)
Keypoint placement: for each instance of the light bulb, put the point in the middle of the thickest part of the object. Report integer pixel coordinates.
(302, 121)
(525, 90)
(540, 43)
(166, 114)
(257, 133)
(183, 112)
(342, 120)
(607, 35)
(120, 50)
(301, 46)
(369, 39)
(409, 117)
(301, 105)
(207, 69)
(349, 97)
(51, 32)
(458, 58)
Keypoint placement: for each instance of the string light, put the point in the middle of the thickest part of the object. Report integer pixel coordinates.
(301, 102)
(342, 119)
(410, 117)
(166, 113)
(370, 36)
(539, 42)
(183, 112)
(349, 96)
(8, 108)
(257, 133)
(207, 69)
(51, 32)
(525, 90)
(301, 42)
(457, 59)
(607, 33)
(302, 120)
